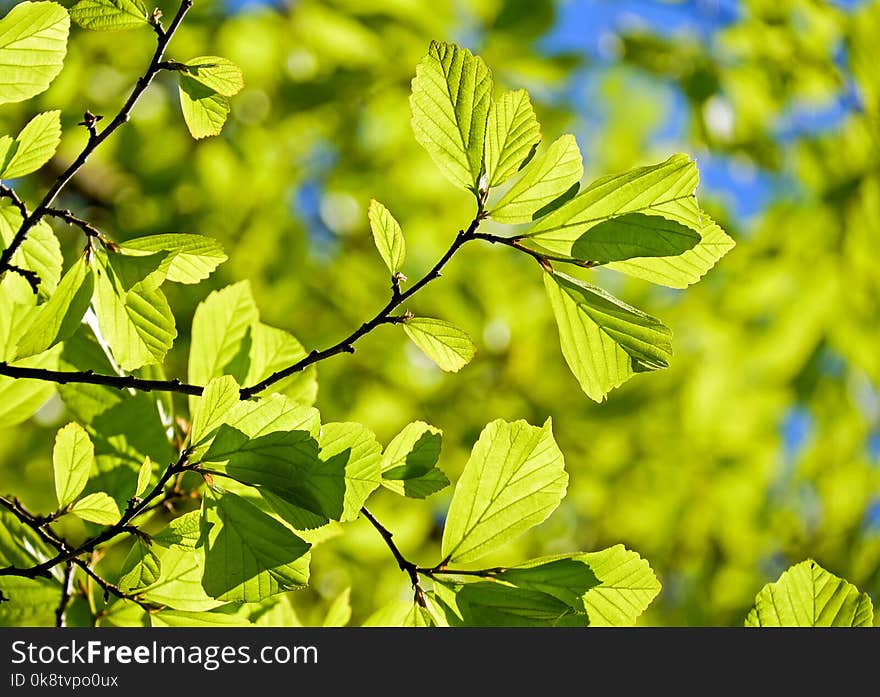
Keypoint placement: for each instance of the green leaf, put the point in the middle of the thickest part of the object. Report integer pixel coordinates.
(219, 327)
(806, 595)
(489, 604)
(399, 613)
(20, 545)
(98, 507)
(182, 533)
(543, 180)
(193, 257)
(218, 398)
(17, 310)
(512, 134)
(32, 602)
(634, 235)
(134, 316)
(109, 15)
(33, 43)
(21, 397)
(339, 612)
(613, 586)
(450, 100)
(145, 474)
(388, 236)
(141, 567)
(55, 320)
(249, 555)
(40, 252)
(514, 479)
(349, 452)
(218, 74)
(682, 270)
(409, 463)
(72, 461)
(273, 349)
(604, 341)
(444, 343)
(180, 580)
(204, 111)
(34, 146)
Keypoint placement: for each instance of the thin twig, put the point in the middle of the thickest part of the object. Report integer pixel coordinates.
(542, 258)
(383, 316)
(65, 594)
(95, 137)
(120, 382)
(405, 565)
(91, 232)
(67, 553)
(8, 192)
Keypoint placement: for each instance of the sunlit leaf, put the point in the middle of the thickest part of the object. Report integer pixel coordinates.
(450, 100)
(109, 15)
(512, 133)
(514, 478)
(444, 343)
(72, 462)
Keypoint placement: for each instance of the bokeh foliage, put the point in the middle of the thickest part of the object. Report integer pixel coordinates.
(756, 449)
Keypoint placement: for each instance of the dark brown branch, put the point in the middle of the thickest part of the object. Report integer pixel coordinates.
(112, 589)
(405, 565)
(120, 382)
(541, 258)
(442, 571)
(7, 192)
(383, 316)
(90, 230)
(346, 345)
(65, 595)
(31, 277)
(96, 138)
(67, 553)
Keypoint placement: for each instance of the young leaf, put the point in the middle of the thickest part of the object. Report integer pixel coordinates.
(681, 270)
(634, 235)
(409, 463)
(643, 190)
(613, 586)
(604, 341)
(17, 309)
(183, 532)
(20, 398)
(141, 567)
(339, 612)
(34, 146)
(543, 180)
(220, 325)
(349, 450)
(97, 508)
(218, 398)
(808, 596)
(388, 236)
(204, 110)
(145, 473)
(62, 314)
(133, 315)
(512, 134)
(444, 343)
(72, 461)
(218, 74)
(180, 580)
(249, 555)
(488, 604)
(399, 613)
(109, 15)
(450, 104)
(514, 479)
(40, 252)
(273, 349)
(33, 43)
(193, 257)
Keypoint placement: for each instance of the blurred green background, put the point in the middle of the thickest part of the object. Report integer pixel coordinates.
(757, 448)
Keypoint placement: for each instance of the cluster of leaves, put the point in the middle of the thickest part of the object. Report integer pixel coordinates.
(272, 479)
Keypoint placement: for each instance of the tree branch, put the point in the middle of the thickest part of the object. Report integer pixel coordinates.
(67, 553)
(542, 259)
(91, 232)
(65, 595)
(120, 382)
(384, 316)
(405, 565)
(96, 138)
